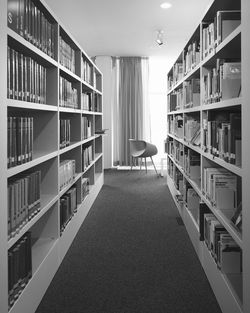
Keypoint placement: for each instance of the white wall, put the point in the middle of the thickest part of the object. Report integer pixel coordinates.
(104, 63)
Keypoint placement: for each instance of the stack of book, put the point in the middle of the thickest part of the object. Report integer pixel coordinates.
(20, 140)
(64, 133)
(67, 172)
(68, 95)
(67, 55)
(68, 206)
(24, 197)
(19, 267)
(26, 78)
(26, 19)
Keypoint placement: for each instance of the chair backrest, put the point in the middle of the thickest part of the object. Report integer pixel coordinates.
(142, 148)
(137, 147)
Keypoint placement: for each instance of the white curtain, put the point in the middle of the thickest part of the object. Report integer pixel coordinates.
(131, 116)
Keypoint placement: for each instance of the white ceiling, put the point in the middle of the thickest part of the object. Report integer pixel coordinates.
(128, 28)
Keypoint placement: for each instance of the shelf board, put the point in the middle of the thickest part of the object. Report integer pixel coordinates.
(30, 105)
(69, 110)
(228, 39)
(46, 202)
(38, 158)
(69, 73)
(90, 112)
(88, 139)
(98, 156)
(231, 167)
(225, 294)
(222, 104)
(176, 138)
(27, 45)
(70, 147)
(191, 146)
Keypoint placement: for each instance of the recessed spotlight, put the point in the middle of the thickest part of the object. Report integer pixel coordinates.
(166, 5)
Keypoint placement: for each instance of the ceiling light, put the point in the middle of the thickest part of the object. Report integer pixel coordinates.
(159, 37)
(166, 5)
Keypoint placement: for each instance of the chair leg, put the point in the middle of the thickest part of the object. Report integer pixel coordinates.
(131, 163)
(140, 163)
(154, 166)
(146, 165)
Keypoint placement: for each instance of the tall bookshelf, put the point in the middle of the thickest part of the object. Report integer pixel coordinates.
(208, 148)
(51, 161)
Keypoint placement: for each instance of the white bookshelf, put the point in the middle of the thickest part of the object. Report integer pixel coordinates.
(231, 290)
(49, 243)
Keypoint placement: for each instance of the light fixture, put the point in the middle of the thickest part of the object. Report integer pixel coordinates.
(166, 5)
(159, 37)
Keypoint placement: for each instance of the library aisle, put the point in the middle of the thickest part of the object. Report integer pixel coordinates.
(131, 255)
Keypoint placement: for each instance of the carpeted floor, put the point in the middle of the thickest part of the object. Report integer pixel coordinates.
(131, 256)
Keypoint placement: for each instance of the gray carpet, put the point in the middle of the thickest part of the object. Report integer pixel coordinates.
(131, 256)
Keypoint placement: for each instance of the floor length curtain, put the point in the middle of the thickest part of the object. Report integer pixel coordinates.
(130, 110)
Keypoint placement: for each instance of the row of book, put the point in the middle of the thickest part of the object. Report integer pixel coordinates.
(87, 101)
(192, 165)
(188, 96)
(26, 78)
(68, 94)
(24, 201)
(26, 19)
(67, 55)
(220, 188)
(221, 82)
(87, 127)
(175, 125)
(222, 136)
(87, 157)
(192, 201)
(67, 172)
(176, 76)
(87, 71)
(20, 140)
(192, 131)
(64, 133)
(19, 267)
(225, 251)
(213, 33)
(68, 206)
(191, 56)
(85, 188)
(176, 150)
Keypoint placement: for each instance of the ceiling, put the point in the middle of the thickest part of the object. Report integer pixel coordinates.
(129, 27)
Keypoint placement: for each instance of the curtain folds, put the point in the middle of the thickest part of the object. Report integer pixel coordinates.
(131, 117)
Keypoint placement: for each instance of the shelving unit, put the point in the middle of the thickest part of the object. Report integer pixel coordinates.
(191, 155)
(49, 240)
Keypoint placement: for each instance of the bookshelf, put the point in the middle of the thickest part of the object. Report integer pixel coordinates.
(208, 149)
(51, 161)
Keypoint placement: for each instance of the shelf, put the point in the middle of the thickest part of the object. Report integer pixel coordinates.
(222, 104)
(38, 158)
(88, 139)
(70, 147)
(69, 110)
(46, 202)
(231, 167)
(98, 156)
(18, 104)
(66, 188)
(69, 74)
(29, 46)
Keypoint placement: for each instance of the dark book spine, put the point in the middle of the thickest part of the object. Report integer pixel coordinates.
(13, 15)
